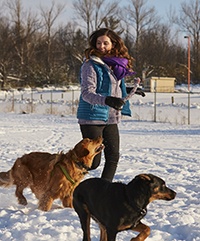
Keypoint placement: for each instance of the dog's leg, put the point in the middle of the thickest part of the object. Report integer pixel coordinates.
(144, 232)
(85, 224)
(45, 202)
(103, 233)
(110, 235)
(67, 202)
(19, 194)
(5, 179)
(84, 216)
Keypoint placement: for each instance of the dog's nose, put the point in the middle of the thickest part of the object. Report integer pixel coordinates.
(173, 194)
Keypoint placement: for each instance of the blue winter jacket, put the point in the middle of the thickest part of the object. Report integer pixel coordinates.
(88, 111)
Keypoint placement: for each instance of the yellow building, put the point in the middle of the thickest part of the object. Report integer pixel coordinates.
(159, 84)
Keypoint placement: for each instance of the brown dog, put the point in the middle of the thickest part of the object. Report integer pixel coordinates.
(117, 206)
(52, 176)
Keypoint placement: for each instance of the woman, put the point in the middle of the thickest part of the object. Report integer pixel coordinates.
(101, 103)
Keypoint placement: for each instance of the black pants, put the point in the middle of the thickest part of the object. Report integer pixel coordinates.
(110, 134)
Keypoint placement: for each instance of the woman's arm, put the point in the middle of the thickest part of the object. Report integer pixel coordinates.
(89, 85)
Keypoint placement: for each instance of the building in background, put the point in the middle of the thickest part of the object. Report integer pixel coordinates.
(159, 84)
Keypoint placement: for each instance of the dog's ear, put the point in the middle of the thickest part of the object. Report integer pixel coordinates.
(83, 152)
(80, 150)
(146, 177)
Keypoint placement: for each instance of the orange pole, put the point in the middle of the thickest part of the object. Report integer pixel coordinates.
(188, 37)
(188, 63)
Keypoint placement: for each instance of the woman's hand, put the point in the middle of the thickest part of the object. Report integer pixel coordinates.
(114, 102)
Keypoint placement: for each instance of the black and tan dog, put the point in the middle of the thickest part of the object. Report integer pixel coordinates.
(52, 176)
(117, 206)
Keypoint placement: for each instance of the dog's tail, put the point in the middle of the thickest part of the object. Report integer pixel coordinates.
(6, 179)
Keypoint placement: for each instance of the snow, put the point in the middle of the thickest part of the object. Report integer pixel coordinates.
(162, 107)
(168, 150)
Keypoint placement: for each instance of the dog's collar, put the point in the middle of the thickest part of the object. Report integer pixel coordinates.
(67, 174)
(82, 166)
(141, 211)
(79, 164)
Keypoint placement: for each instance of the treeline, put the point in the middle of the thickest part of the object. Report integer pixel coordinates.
(37, 50)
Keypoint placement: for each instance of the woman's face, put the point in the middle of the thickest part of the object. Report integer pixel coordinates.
(104, 44)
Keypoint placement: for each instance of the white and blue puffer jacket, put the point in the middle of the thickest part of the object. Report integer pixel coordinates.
(95, 108)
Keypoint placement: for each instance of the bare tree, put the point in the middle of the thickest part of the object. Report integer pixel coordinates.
(72, 43)
(189, 21)
(22, 34)
(49, 17)
(139, 18)
(160, 55)
(84, 10)
(5, 51)
(96, 13)
(35, 48)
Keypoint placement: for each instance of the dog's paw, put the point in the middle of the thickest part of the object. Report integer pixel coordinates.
(22, 201)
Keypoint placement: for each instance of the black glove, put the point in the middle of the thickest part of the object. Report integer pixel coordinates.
(114, 102)
(140, 92)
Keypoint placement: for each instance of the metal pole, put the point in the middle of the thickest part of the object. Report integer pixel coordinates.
(51, 111)
(31, 100)
(188, 80)
(13, 101)
(155, 89)
(188, 37)
(73, 102)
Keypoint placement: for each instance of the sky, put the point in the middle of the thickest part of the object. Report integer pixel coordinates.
(162, 6)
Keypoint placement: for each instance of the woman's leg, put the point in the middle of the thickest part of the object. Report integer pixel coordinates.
(92, 132)
(111, 151)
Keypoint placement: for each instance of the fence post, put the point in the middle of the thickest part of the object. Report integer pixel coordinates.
(51, 102)
(172, 99)
(155, 89)
(72, 102)
(31, 100)
(188, 107)
(13, 101)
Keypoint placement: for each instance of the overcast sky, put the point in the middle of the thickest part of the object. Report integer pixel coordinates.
(162, 6)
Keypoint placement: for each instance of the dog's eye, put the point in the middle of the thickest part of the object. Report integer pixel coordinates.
(163, 186)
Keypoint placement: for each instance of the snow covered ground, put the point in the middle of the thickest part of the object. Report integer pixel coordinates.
(168, 150)
(159, 107)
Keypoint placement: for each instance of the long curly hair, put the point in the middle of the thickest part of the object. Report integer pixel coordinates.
(119, 49)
